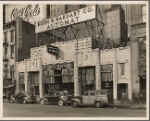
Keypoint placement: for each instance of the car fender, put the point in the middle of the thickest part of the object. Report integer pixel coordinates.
(77, 100)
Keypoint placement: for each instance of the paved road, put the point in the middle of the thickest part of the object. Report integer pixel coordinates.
(37, 110)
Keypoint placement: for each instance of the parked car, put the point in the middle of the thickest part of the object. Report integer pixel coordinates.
(58, 97)
(23, 97)
(93, 98)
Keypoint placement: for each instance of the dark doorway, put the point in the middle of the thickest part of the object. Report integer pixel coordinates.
(143, 88)
(58, 79)
(122, 88)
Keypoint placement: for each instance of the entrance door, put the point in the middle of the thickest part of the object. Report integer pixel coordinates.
(122, 88)
(143, 88)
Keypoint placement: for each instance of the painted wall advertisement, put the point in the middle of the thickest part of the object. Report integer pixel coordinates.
(28, 12)
(81, 15)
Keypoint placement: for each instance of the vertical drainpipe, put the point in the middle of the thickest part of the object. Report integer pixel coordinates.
(26, 76)
(115, 77)
(98, 72)
(77, 84)
(130, 73)
(41, 79)
(16, 24)
(17, 79)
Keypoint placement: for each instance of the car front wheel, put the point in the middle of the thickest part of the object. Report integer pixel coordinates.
(60, 102)
(74, 104)
(42, 102)
(97, 104)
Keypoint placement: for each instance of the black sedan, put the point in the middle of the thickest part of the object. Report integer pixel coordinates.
(58, 98)
(23, 97)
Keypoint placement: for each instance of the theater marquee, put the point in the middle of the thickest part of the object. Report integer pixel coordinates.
(81, 15)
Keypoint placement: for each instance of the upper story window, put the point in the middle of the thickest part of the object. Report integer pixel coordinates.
(144, 13)
(142, 45)
(12, 71)
(5, 53)
(12, 35)
(5, 36)
(122, 69)
(12, 51)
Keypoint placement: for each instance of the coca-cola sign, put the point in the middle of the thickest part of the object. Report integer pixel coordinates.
(25, 12)
(29, 12)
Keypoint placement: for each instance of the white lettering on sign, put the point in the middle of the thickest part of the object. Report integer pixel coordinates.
(28, 12)
(84, 14)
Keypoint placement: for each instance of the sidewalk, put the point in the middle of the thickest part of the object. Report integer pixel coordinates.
(129, 106)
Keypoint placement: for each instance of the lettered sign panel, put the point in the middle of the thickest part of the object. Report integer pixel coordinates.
(81, 15)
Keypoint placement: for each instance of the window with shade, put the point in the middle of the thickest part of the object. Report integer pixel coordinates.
(12, 35)
(67, 75)
(21, 78)
(142, 45)
(107, 72)
(5, 37)
(121, 70)
(48, 76)
(12, 51)
(87, 75)
(12, 71)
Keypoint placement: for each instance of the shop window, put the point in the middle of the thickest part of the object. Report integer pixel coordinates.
(12, 71)
(144, 13)
(12, 33)
(12, 51)
(107, 72)
(67, 75)
(122, 69)
(87, 78)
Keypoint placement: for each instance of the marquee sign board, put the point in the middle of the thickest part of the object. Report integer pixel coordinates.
(81, 15)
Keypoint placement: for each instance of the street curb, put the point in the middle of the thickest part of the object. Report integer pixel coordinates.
(129, 107)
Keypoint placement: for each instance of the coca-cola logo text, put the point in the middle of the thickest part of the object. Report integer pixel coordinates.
(26, 12)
